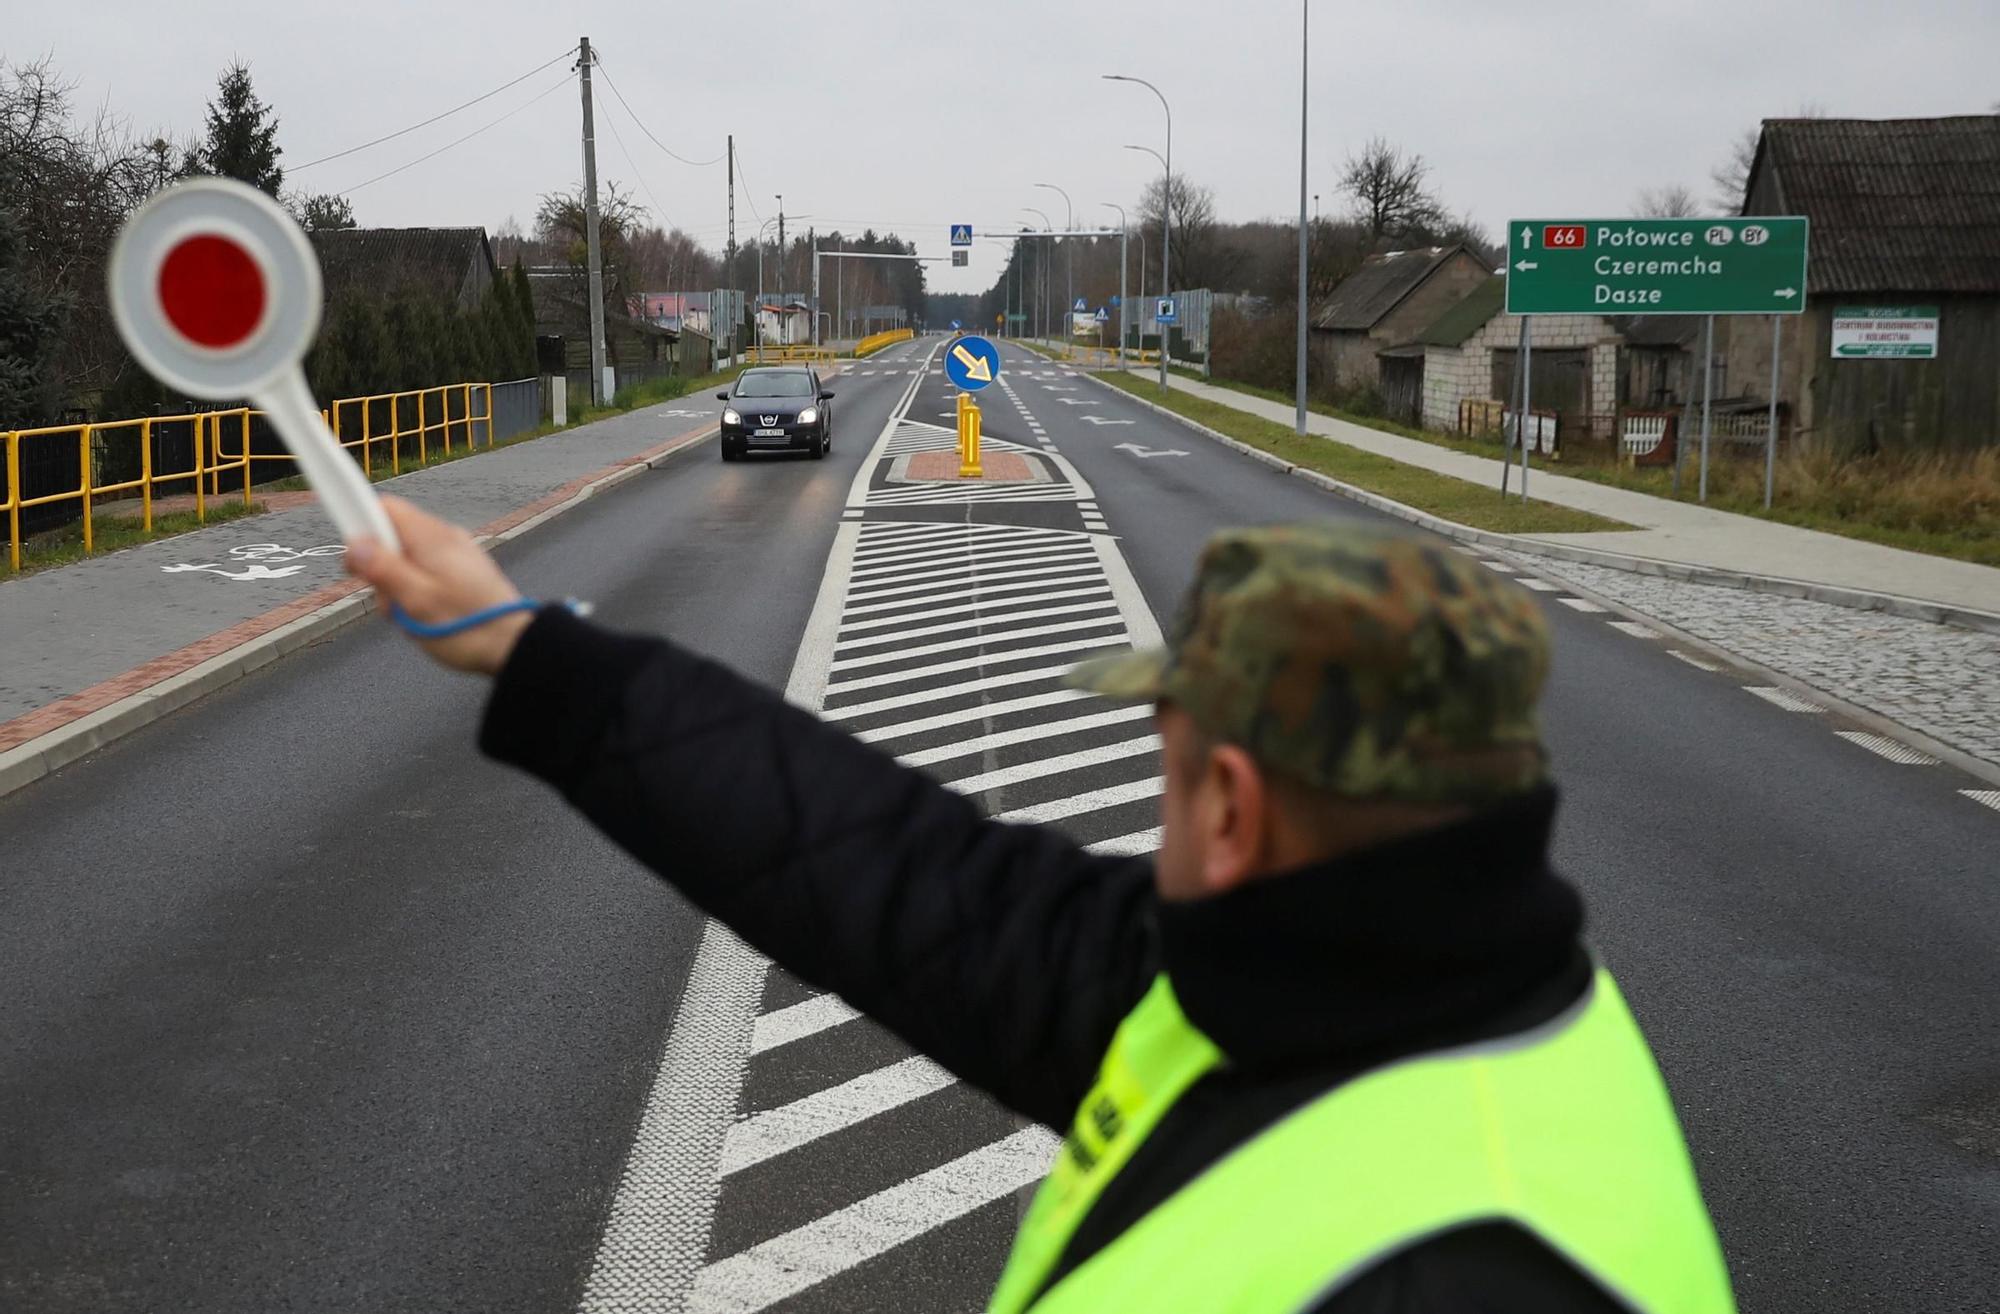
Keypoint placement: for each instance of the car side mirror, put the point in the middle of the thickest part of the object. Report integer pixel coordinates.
(824, 395)
(723, 395)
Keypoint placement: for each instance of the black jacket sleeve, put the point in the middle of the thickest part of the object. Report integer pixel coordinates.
(1007, 953)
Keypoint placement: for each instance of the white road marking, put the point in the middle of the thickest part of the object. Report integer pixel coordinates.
(1113, 626)
(967, 564)
(1143, 746)
(1140, 841)
(785, 1265)
(1883, 746)
(1583, 605)
(920, 696)
(657, 1234)
(981, 713)
(784, 1129)
(1698, 663)
(1990, 797)
(982, 621)
(1500, 566)
(1026, 734)
(1538, 585)
(1094, 590)
(1051, 573)
(1635, 629)
(1076, 647)
(1781, 698)
(1091, 801)
(966, 552)
(808, 1017)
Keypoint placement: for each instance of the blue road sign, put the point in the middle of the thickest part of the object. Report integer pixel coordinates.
(1081, 305)
(1102, 314)
(972, 363)
(955, 324)
(1114, 303)
(961, 234)
(1166, 314)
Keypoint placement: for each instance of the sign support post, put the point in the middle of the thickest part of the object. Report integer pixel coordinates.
(1771, 422)
(1527, 397)
(1707, 396)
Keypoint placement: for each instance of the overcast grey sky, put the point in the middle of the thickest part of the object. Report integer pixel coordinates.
(951, 112)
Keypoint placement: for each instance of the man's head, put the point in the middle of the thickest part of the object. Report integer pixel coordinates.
(1328, 687)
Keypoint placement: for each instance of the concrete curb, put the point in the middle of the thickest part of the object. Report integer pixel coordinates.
(28, 762)
(1938, 613)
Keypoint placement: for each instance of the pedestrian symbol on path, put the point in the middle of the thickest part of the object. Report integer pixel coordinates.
(972, 363)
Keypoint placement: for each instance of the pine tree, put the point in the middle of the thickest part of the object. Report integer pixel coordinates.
(242, 135)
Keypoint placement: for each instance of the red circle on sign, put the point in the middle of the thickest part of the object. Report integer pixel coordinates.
(212, 291)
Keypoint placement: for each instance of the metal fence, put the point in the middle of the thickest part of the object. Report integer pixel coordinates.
(207, 452)
(517, 407)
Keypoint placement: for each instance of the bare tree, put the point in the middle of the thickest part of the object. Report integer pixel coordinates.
(561, 228)
(1389, 192)
(1200, 257)
(1732, 176)
(1672, 201)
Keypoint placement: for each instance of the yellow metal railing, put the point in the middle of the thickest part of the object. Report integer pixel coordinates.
(380, 419)
(874, 342)
(798, 351)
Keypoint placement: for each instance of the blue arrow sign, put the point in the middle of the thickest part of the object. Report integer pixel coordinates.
(1166, 314)
(972, 363)
(955, 324)
(1114, 302)
(961, 234)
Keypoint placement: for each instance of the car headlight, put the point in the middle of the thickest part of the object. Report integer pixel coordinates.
(809, 415)
(729, 416)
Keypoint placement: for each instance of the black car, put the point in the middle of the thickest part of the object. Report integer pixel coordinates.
(777, 409)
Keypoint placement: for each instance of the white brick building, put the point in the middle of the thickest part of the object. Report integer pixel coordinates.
(1469, 356)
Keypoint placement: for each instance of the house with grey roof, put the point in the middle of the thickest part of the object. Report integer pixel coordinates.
(1384, 305)
(1904, 215)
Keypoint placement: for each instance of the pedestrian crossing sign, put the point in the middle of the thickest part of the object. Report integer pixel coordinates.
(961, 234)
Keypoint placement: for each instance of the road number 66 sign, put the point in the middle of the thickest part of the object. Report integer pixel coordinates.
(216, 292)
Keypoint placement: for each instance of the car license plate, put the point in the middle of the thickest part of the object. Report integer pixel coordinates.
(767, 433)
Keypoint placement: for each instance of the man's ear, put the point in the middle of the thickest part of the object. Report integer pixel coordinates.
(1236, 807)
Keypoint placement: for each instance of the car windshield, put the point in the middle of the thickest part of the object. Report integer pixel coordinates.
(778, 383)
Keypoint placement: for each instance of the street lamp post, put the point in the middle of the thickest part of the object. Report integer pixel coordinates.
(1048, 225)
(1069, 267)
(1166, 210)
(1300, 423)
(1124, 298)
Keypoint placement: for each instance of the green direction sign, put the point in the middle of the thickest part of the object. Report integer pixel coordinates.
(1656, 266)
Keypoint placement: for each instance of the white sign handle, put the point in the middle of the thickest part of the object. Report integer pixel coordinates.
(343, 490)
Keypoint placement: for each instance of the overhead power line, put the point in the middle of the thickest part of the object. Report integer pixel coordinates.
(699, 164)
(567, 77)
(403, 132)
(637, 172)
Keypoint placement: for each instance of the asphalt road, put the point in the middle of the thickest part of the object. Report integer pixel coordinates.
(308, 1007)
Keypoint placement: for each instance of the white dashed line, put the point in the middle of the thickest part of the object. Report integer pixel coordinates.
(1692, 660)
(1635, 629)
(1780, 698)
(1583, 605)
(1883, 746)
(1538, 585)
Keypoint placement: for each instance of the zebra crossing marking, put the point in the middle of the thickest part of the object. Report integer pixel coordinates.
(792, 1126)
(808, 1017)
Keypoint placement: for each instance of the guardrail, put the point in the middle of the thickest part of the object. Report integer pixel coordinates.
(787, 354)
(390, 418)
(874, 342)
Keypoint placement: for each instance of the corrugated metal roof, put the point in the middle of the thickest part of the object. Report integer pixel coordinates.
(387, 261)
(1373, 290)
(1452, 328)
(1896, 205)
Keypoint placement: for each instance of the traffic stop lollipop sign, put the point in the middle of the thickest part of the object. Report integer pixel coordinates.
(216, 292)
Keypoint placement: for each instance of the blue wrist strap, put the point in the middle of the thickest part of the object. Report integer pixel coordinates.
(410, 625)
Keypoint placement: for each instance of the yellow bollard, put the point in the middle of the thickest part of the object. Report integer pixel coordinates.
(968, 438)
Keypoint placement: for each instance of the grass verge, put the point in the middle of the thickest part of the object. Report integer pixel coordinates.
(1946, 506)
(1440, 495)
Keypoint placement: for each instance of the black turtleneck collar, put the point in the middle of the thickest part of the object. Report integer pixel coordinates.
(1437, 939)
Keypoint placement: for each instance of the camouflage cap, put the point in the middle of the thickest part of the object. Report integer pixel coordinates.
(1365, 662)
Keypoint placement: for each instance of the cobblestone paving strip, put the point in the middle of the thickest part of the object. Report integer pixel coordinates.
(1936, 679)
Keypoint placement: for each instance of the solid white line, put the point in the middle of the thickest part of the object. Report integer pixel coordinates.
(786, 1128)
(806, 1018)
(1111, 638)
(657, 1235)
(1051, 766)
(1139, 618)
(1026, 734)
(1139, 841)
(765, 1274)
(807, 686)
(1027, 589)
(1780, 698)
(1094, 800)
(983, 712)
(1582, 604)
(1096, 590)
(920, 696)
(1079, 645)
(1883, 746)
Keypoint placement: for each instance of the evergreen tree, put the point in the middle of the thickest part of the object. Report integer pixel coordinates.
(241, 142)
(323, 210)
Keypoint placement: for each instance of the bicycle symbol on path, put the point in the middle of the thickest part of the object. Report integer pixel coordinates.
(253, 558)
